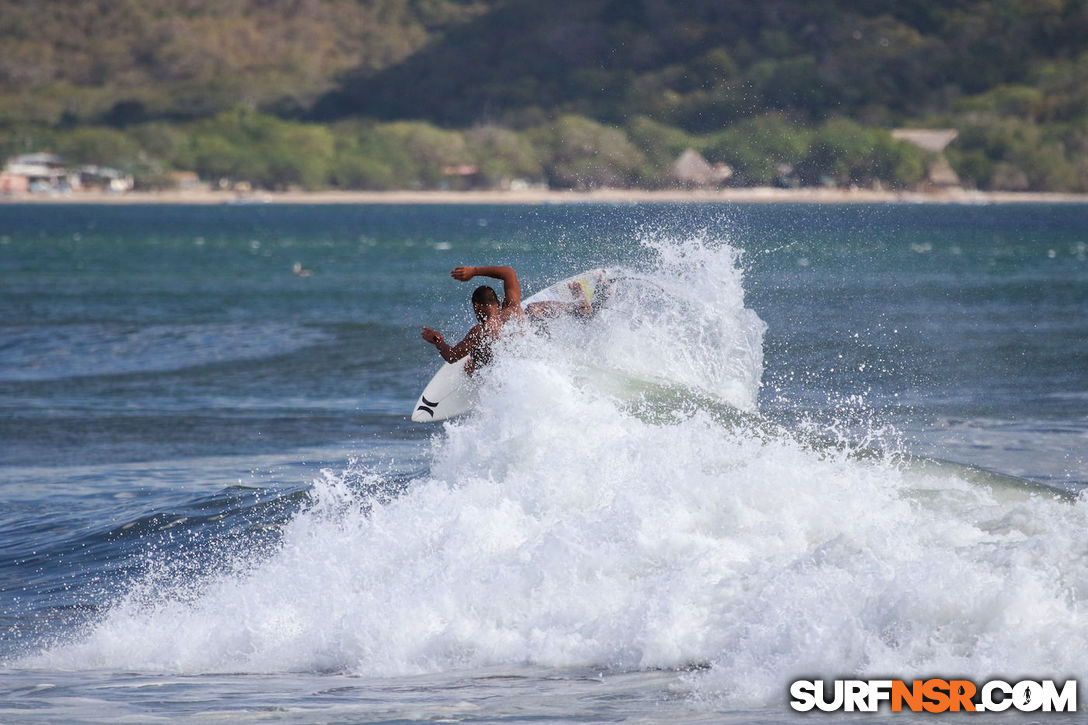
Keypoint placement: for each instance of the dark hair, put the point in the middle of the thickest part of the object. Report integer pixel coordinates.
(484, 295)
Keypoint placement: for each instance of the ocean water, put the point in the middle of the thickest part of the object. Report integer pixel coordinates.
(800, 441)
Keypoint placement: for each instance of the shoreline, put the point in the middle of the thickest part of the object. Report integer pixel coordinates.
(766, 195)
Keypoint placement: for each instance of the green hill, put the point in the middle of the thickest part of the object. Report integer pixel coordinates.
(700, 64)
(122, 61)
(573, 93)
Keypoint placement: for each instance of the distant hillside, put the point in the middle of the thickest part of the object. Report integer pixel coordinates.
(700, 64)
(125, 61)
(569, 93)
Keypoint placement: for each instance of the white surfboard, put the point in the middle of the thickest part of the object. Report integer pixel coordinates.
(452, 392)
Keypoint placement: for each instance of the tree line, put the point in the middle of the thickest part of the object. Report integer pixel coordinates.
(570, 152)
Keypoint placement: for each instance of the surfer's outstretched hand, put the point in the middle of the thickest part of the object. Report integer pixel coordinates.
(463, 274)
(432, 336)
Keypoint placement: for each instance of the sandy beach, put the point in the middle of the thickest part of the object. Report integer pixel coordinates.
(540, 196)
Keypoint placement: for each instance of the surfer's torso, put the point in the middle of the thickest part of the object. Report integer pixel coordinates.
(505, 321)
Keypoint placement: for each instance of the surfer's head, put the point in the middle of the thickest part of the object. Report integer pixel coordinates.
(484, 302)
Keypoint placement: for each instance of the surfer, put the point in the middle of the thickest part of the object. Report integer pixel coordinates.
(491, 316)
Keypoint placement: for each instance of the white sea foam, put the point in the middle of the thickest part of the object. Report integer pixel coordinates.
(562, 525)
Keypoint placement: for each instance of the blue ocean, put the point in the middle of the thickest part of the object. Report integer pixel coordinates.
(799, 441)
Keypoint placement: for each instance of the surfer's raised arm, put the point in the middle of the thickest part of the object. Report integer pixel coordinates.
(511, 288)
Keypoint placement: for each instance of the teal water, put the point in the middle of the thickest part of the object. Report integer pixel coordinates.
(209, 485)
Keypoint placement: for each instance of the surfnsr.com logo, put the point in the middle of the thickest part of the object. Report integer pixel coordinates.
(934, 695)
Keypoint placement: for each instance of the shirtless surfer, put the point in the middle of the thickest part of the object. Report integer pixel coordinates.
(493, 316)
(490, 314)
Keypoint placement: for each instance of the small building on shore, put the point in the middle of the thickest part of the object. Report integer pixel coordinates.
(103, 178)
(460, 176)
(47, 173)
(692, 170)
(43, 172)
(939, 173)
(187, 181)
